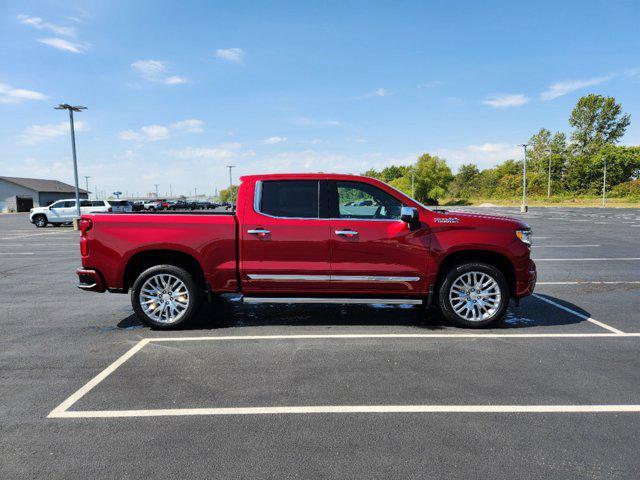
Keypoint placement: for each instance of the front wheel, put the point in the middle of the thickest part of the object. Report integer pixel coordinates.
(473, 295)
(165, 296)
(40, 221)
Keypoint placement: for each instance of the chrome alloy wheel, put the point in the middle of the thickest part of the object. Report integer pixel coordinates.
(475, 296)
(164, 298)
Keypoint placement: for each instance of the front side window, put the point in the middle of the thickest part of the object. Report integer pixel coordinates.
(58, 204)
(290, 198)
(69, 204)
(367, 202)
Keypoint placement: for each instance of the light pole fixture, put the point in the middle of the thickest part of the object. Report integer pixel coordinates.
(523, 207)
(72, 108)
(230, 181)
(604, 182)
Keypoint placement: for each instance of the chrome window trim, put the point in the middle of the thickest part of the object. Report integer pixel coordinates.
(339, 278)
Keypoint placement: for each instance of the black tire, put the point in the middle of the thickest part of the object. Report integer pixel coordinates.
(454, 273)
(40, 221)
(193, 291)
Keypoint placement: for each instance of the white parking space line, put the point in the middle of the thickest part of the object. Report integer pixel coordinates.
(603, 259)
(17, 253)
(14, 237)
(564, 246)
(97, 379)
(61, 411)
(615, 282)
(68, 244)
(580, 315)
(351, 409)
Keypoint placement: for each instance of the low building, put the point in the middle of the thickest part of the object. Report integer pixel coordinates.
(22, 194)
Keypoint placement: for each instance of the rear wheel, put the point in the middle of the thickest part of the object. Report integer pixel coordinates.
(40, 221)
(165, 296)
(473, 295)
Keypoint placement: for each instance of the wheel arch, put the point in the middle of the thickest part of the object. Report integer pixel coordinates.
(491, 257)
(140, 261)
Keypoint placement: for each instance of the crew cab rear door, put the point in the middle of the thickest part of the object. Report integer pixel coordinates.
(284, 241)
(372, 250)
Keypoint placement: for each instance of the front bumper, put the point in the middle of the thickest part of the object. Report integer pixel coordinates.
(526, 281)
(90, 280)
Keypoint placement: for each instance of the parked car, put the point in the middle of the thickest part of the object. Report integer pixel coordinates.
(64, 211)
(180, 205)
(152, 205)
(138, 206)
(291, 241)
(120, 206)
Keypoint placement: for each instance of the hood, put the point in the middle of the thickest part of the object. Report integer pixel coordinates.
(476, 220)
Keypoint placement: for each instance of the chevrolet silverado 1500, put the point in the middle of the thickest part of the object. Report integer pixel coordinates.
(310, 238)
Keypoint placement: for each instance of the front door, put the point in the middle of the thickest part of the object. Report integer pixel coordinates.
(284, 240)
(373, 251)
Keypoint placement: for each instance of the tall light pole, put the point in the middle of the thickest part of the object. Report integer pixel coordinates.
(549, 153)
(71, 108)
(523, 207)
(413, 190)
(604, 183)
(86, 180)
(230, 181)
(156, 185)
(170, 191)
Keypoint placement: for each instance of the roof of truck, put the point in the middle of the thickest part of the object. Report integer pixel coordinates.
(289, 176)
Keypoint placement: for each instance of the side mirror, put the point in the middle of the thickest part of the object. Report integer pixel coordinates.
(410, 216)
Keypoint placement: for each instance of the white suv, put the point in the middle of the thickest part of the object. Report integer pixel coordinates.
(64, 211)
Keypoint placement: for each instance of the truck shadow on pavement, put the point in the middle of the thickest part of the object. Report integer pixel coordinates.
(230, 312)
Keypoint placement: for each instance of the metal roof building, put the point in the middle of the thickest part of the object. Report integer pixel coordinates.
(21, 194)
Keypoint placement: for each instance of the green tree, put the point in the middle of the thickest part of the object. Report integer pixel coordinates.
(465, 183)
(229, 194)
(597, 121)
(432, 177)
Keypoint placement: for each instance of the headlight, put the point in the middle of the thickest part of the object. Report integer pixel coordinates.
(525, 235)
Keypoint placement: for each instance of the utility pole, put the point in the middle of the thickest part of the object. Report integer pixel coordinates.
(230, 181)
(77, 108)
(413, 191)
(86, 180)
(170, 191)
(523, 207)
(156, 185)
(604, 183)
(549, 153)
(195, 193)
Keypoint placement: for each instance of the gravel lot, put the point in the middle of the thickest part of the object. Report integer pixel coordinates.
(203, 407)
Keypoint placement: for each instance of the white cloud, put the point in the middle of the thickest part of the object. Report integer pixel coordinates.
(506, 100)
(8, 94)
(234, 55)
(39, 24)
(314, 122)
(152, 133)
(37, 133)
(484, 155)
(380, 92)
(192, 125)
(202, 152)
(559, 89)
(65, 45)
(155, 71)
(274, 140)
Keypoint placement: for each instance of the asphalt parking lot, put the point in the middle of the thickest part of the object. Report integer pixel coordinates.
(312, 391)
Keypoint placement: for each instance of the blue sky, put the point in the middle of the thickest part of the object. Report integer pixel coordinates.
(177, 90)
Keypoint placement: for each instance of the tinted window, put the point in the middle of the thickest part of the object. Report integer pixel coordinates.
(361, 200)
(291, 198)
(97, 203)
(69, 204)
(58, 204)
(118, 203)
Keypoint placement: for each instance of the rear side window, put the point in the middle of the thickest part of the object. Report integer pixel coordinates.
(118, 203)
(97, 203)
(290, 198)
(69, 204)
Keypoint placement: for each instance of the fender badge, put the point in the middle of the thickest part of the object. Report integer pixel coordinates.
(446, 220)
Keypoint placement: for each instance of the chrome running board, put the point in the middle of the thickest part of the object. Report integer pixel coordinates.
(349, 301)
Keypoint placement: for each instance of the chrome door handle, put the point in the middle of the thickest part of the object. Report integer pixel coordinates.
(347, 233)
(261, 232)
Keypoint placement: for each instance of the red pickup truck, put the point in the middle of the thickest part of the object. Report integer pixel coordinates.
(310, 238)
